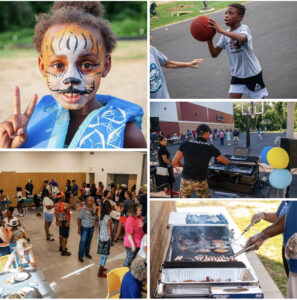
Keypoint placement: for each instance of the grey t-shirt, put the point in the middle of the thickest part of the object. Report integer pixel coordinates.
(158, 88)
(242, 59)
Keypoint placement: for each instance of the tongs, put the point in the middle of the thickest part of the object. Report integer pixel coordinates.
(243, 250)
(248, 228)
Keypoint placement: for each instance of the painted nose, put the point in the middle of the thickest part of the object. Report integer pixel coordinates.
(71, 80)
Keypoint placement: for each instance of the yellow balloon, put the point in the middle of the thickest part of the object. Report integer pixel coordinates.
(278, 158)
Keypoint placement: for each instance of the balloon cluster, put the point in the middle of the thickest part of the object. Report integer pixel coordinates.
(278, 158)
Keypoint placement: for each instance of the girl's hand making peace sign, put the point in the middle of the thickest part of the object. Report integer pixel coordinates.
(13, 131)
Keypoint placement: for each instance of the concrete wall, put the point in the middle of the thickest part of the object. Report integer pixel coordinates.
(190, 115)
(159, 214)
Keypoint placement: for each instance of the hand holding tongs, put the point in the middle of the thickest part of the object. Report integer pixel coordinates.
(243, 250)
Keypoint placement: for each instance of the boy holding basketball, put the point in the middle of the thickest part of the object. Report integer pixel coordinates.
(237, 41)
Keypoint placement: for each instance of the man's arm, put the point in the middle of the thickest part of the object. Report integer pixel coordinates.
(166, 161)
(271, 231)
(269, 217)
(177, 64)
(176, 160)
(222, 159)
(79, 226)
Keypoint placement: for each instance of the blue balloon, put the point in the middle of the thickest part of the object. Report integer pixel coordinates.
(264, 153)
(280, 178)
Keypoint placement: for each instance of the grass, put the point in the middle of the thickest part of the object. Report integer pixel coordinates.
(270, 252)
(23, 38)
(164, 11)
(125, 50)
(130, 27)
(16, 39)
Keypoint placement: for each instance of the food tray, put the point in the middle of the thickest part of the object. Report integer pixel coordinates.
(206, 219)
(182, 291)
(199, 276)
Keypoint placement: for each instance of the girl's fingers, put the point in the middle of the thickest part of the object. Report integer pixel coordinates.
(17, 101)
(8, 127)
(29, 111)
(16, 123)
(20, 139)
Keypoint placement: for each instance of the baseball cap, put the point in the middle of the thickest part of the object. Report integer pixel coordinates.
(202, 129)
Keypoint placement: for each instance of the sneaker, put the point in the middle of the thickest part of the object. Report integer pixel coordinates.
(174, 193)
(65, 253)
(88, 256)
(80, 259)
(51, 240)
(102, 275)
(60, 249)
(51, 234)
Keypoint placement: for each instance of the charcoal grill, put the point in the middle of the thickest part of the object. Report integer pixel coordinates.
(188, 277)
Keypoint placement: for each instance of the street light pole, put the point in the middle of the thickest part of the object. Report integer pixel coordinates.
(248, 135)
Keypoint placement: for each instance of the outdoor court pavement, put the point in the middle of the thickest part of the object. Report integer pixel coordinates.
(273, 27)
(256, 147)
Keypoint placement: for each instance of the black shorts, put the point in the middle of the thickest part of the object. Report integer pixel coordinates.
(64, 231)
(254, 83)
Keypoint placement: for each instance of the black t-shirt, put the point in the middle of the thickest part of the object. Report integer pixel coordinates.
(68, 191)
(197, 154)
(235, 133)
(29, 187)
(163, 151)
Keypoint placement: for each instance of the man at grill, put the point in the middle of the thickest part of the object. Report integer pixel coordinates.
(197, 154)
(287, 224)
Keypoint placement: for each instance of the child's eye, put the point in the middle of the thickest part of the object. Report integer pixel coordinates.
(87, 65)
(58, 66)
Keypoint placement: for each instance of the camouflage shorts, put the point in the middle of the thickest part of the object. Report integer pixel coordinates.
(189, 186)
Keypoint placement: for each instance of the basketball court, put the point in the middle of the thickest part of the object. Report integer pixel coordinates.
(273, 25)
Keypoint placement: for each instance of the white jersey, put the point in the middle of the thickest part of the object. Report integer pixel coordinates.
(242, 59)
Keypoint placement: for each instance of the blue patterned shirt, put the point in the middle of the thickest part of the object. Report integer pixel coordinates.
(87, 217)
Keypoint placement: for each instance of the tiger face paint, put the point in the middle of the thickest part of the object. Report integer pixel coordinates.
(73, 60)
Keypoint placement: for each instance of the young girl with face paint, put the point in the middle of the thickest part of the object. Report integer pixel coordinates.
(75, 46)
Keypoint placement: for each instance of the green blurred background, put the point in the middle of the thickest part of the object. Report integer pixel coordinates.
(128, 19)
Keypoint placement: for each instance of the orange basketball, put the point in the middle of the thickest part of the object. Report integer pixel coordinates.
(200, 29)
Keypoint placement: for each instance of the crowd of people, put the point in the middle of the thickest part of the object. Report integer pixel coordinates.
(223, 135)
(121, 214)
